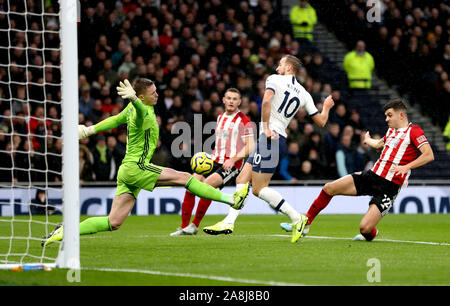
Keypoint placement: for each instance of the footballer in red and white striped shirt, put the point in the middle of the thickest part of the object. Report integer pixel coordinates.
(231, 131)
(400, 154)
(234, 143)
(401, 146)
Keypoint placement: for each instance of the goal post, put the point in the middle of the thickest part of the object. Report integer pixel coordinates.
(69, 257)
(39, 145)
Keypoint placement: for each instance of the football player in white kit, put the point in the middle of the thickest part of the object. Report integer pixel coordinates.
(283, 97)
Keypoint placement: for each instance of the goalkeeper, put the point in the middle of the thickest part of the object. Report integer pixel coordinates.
(136, 171)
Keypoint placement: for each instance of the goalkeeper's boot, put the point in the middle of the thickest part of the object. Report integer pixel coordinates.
(219, 228)
(298, 228)
(288, 228)
(239, 196)
(55, 235)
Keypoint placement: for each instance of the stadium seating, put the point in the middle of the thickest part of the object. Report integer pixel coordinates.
(238, 44)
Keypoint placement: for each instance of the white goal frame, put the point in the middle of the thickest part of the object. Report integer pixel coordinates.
(69, 253)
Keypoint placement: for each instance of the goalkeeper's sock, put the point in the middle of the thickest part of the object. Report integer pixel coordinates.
(320, 203)
(208, 192)
(94, 225)
(186, 208)
(202, 207)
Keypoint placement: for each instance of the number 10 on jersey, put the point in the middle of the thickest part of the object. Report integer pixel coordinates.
(286, 105)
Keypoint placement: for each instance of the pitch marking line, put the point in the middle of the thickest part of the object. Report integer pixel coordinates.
(306, 237)
(388, 240)
(202, 276)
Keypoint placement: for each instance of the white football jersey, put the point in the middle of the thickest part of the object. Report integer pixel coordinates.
(289, 97)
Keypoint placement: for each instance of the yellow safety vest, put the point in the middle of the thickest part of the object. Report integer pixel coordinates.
(359, 69)
(447, 133)
(298, 16)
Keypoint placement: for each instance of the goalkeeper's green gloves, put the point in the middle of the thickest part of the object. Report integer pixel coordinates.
(85, 131)
(126, 91)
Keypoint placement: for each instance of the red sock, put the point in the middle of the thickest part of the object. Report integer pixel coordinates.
(320, 203)
(186, 208)
(371, 235)
(202, 207)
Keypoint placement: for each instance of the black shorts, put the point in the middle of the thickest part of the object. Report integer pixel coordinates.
(383, 192)
(228, 176)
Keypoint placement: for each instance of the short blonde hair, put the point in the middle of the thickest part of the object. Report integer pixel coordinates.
(235, 90)
(294, 62)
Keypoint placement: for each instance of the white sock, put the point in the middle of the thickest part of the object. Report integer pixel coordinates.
(275, 200)
(234, 213)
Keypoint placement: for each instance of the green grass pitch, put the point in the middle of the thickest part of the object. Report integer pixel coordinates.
(410, 250)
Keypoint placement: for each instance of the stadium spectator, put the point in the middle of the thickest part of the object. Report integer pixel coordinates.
(54, 161)
(331, 140)
(290, 165)
(86, 164)
(446, 134)
(340, 116)
(86, 102)
(347, 157)
(303, 18)
(306, 171)
(102, 160)
(39, 205)
(356, 123)
(359, 64)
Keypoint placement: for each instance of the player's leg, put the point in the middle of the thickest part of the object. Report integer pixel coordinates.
(188, 204)
(384, 193)
(243, 178)
(260, 183)
(171, 177)
(188, 228)
(343, 186)
(367, 226)
(226, 226)
(121, 208)
(214, 180)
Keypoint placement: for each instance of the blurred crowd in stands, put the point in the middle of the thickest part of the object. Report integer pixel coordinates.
(194, 51)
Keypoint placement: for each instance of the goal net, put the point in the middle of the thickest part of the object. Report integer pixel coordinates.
(39, 185)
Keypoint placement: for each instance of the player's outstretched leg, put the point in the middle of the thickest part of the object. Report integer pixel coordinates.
(342, 186)
(121, 207)
(171, 177)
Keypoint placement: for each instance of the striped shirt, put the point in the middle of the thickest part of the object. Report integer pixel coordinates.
(231, 131)
(401, 146)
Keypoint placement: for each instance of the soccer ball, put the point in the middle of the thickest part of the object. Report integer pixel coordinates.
(202, 163)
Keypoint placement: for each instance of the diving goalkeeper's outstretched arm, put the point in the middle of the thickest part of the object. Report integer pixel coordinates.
(126, 91)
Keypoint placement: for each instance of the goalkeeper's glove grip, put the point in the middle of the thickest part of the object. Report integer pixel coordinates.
(126, 91)
(85, 131)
